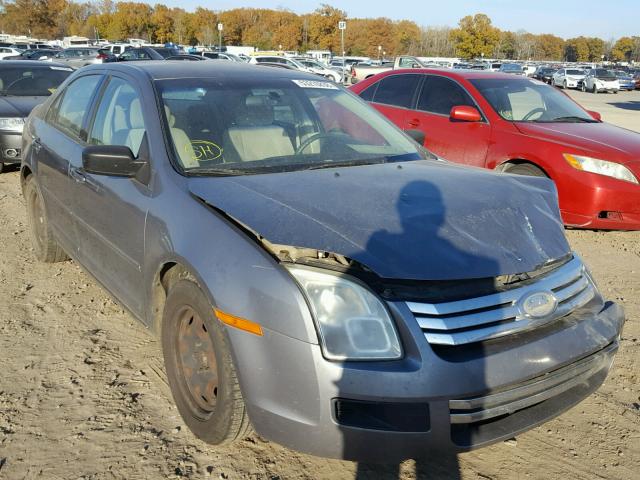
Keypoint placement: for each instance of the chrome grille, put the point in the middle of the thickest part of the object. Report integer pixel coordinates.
(499, 314)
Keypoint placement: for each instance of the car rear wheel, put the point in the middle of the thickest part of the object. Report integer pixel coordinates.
(45, 246)
(524, 169)
(199, 367)
(564, 84)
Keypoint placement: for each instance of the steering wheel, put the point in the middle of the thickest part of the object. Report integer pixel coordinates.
(313, 138)
(533, 112)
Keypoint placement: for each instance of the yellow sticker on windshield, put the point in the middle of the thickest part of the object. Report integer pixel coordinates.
(203, 150)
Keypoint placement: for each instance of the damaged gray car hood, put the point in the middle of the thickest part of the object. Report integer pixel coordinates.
(419, 220)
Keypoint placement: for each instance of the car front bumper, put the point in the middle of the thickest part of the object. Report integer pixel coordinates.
(434, 399)
(600, 202)
(10, 147)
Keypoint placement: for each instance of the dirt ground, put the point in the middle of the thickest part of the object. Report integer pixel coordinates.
(83, 394)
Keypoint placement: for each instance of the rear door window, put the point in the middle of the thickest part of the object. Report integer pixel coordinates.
(397, 90)
(440, 94)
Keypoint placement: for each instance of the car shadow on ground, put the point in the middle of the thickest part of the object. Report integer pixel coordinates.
(633, 105)
(444, 467)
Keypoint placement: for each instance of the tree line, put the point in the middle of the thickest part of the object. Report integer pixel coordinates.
(267, 29)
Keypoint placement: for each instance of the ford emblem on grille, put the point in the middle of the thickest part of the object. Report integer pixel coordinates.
(538, 304)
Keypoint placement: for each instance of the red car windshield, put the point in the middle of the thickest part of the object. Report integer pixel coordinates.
(528, 100)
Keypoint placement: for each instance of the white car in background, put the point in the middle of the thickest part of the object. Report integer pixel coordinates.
(568, 78)
(320, 69)
(8, 52)
(600, 80)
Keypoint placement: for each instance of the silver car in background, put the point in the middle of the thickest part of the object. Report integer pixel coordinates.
(78, 57)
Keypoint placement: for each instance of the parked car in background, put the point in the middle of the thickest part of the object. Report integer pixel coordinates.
(544, 74)
(118, 48)
(78, 57)
(600, 80)
(23, 85)
(520, 125)
(222, 56)
(279, 59)
(625, 80)
(511, 68)
(140, 53)
(319, 69)
(354, 298)
(636, 78)
(39, 54)
(188, 57)
(568, 78)
(361, 72)
(9, 52)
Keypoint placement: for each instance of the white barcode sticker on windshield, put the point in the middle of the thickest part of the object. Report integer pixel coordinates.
(315, 84)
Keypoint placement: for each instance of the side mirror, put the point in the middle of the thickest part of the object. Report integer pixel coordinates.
(112, 160)
(416, 135)
(595, 115)
(465, 113)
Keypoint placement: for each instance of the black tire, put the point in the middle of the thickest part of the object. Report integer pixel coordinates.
(594, 89)
(45, 245)
(564, 85)
(524, 169)
(216, 413)
(1, 167)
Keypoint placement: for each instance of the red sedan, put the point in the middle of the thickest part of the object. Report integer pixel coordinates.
(519, 125)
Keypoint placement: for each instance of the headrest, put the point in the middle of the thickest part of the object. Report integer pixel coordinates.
(135, 114)
(171, 119)
(255, 112)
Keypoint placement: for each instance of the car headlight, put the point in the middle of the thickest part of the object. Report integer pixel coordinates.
(601, 167)
(11, 123)
(352, 322)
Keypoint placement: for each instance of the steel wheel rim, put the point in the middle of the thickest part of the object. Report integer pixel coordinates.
(196, 361)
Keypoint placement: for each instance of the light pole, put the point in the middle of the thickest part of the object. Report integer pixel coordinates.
(379, 52)
(220, 28)
(342, 25)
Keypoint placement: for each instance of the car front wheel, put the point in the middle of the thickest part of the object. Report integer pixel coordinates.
(45, 245)
(199, 367)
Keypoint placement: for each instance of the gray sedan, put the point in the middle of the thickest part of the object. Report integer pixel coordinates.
(311, 270)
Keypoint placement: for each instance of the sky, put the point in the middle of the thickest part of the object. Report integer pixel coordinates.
(565, 18)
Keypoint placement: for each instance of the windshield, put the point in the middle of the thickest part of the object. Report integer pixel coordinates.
(275, 125)
(575, 72)
(528, 100)
(602, 73)
(511, 67)
(32, 81)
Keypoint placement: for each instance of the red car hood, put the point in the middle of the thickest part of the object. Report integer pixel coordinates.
(600, 140)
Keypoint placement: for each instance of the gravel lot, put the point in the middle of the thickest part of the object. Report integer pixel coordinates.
(622, 109)
(83, 392)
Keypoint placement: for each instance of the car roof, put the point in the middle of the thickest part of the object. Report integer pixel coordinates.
(167, 69)
(467, 74)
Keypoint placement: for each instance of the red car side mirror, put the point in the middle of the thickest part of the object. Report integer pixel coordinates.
(595, 115)
(465, 113)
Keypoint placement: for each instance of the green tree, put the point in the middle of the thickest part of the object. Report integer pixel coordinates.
(475, 36)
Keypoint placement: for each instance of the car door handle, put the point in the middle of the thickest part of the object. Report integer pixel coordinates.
(36, 145)
(414, 122)
(80, 176)
(77, 174)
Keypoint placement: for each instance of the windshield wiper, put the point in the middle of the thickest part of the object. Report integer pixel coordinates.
(574, 118)
(218, 172)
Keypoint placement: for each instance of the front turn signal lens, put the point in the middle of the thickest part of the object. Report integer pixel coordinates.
(238, 322)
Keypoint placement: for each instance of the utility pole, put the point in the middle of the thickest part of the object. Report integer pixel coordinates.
(342, 25)
(220, 27)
